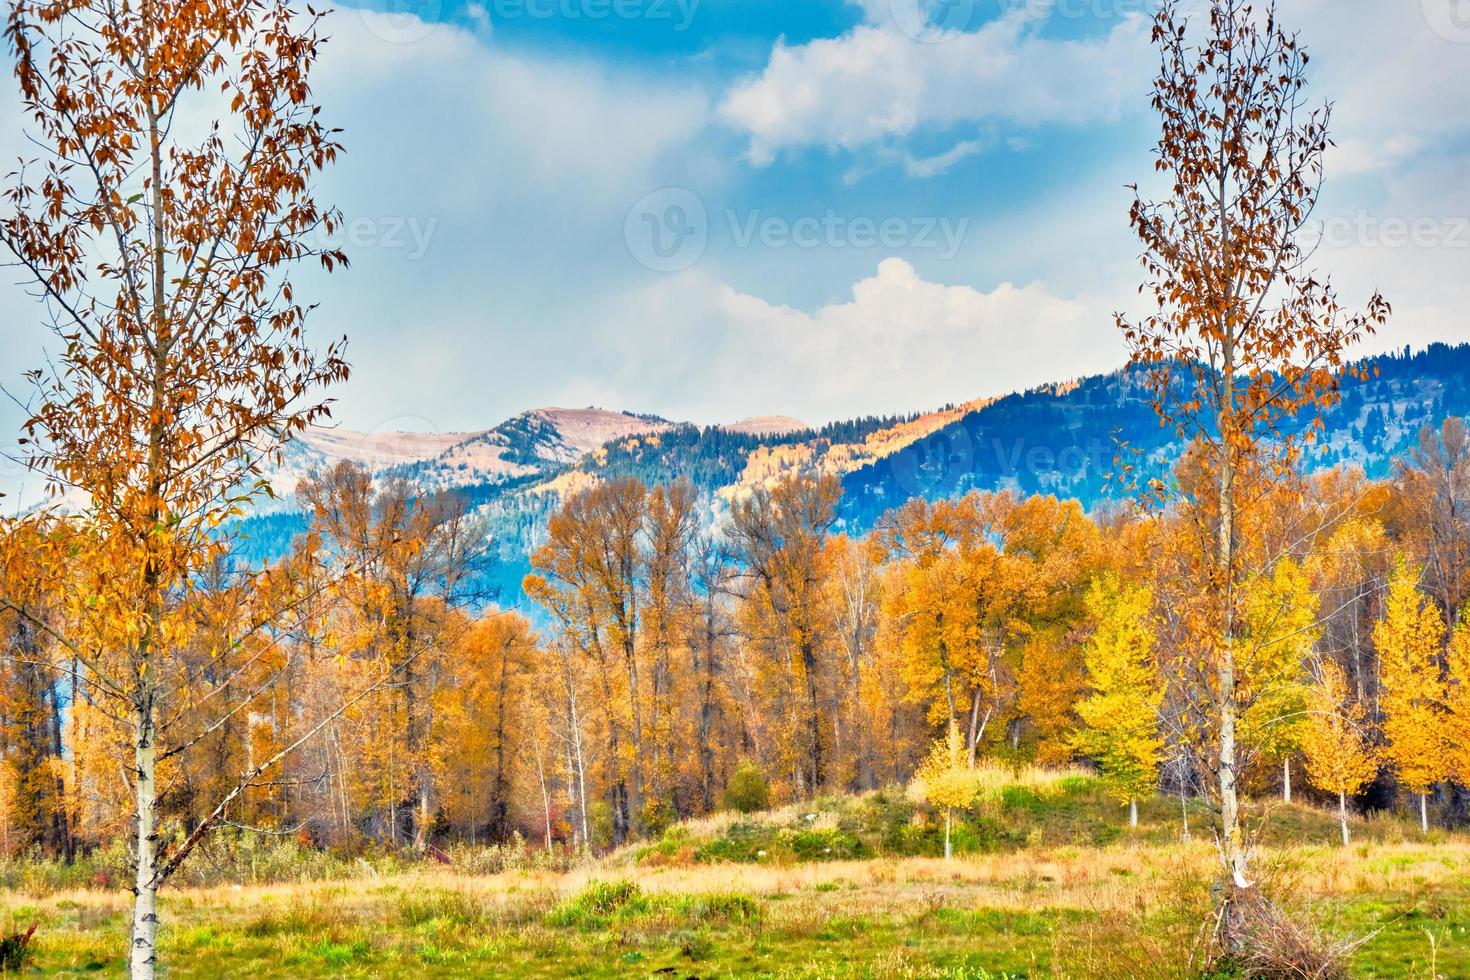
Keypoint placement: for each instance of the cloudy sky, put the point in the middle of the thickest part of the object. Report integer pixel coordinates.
(709, 209)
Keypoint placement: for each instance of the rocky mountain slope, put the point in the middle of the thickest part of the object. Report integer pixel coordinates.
(1061, 439)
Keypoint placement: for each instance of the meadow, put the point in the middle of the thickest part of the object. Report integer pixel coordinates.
(1049, 881)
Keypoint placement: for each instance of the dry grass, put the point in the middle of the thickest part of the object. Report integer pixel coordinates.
(1133, 908)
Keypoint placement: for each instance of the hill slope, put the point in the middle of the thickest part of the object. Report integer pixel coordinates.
(1059, 439)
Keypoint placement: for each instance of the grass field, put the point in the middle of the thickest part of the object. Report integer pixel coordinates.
(1050, 885)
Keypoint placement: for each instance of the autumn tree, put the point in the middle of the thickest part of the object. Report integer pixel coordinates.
(32, 698)
(1247, 341)
(1278, 629)
(955, 602)
(1408, 638)
(1340, 759)
(171, 199)
(777, 536)
(1435, 500)
(946, 780)
(590, 575)
(1120, 714)
(1457, 701)
(406, 560)
(478, 727)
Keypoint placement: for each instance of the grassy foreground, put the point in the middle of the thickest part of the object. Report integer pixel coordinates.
(1050, 886)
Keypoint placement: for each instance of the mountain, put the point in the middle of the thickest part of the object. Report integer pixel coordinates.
(1061, 439)
(532, 443)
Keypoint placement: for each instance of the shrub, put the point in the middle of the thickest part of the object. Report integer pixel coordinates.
(598, 902)
(747, 791)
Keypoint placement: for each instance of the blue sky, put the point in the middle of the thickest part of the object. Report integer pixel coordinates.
(709, 209)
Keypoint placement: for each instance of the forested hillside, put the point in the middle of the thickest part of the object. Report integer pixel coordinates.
(1065, 439)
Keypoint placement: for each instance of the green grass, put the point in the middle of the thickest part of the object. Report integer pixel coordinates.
(1052, 883)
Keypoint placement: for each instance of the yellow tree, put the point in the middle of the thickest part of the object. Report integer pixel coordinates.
(952, 609)
(1457, 701)
(1278, 629)
(1247, 340)
(1339, 757)
(778, 537)
(946, 780)
(590, 575)
(1408, 638)
(1120, 716)
(171, 199)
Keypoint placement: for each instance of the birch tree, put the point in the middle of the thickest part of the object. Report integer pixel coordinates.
(1248, 340)
(169, 200)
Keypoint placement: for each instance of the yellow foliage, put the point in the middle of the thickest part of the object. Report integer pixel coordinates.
(1340, 759)
(1408, 639)
(1121, 716)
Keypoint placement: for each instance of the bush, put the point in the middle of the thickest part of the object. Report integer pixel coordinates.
(599, 901)
(747, 791)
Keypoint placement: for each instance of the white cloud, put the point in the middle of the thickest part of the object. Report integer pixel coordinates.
(940, 163)
(896, 344)
(876, 83)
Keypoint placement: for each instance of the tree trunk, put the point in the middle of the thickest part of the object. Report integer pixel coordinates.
(809, 667)
(1286, 780)
(143, 955)
(1424, 812)
(635, 787)
(1232, 842)
(948, 847)
(1184, 811)
(1133, 813)
(1342, 816)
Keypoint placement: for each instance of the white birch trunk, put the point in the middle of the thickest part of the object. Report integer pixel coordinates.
(143, 956)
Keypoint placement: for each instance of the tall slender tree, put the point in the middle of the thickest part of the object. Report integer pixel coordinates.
(1409, 638)
(171, 199)
(1339, 758)
(1120, 714)
(1247, 341)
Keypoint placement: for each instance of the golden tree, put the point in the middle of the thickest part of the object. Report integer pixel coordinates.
(1408, 638)
(1457, 701)
(1340, 759)
(1279, 626)
(1120, 716)
(1248, 340)
(946, 780)
(777, 535)
(590, 576)
(161, 243)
